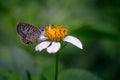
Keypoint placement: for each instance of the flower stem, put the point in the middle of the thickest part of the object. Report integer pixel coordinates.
(28, 75)
(57, 60)
(56, 66)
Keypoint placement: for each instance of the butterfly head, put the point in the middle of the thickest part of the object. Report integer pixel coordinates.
(42, 31)
(42, 34)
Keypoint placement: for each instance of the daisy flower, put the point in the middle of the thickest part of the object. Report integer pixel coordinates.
(54, 38)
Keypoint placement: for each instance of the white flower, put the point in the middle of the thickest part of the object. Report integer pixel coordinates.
(56, 35)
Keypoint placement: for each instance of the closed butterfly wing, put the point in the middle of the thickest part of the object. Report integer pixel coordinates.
(29, 34)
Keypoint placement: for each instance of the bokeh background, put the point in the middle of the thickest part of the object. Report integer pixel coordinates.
(95, 22)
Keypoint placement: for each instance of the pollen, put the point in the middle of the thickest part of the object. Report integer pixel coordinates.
(55, 34)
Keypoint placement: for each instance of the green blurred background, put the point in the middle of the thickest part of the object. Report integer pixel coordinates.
(95, 22)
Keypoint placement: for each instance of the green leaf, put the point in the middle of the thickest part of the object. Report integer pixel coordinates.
(77, 74)
(17, 60)
(7, 75)
(88, 33)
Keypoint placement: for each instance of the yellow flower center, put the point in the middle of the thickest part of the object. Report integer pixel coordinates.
(55, 34)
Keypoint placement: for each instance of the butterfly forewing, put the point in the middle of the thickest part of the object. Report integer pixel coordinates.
(29, 34)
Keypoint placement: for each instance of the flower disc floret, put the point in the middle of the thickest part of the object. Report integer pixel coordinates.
(56, 34)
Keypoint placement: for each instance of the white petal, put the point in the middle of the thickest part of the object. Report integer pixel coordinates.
(42, 37)
(42, 45)
(74, 41)
(55, 46)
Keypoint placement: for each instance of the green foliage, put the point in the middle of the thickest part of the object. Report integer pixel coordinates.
(14, 59)
(94, 22)
(77, 74)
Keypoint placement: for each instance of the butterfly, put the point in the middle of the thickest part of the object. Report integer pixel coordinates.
(29, 33)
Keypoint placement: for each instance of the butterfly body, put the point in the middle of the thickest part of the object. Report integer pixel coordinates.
(29, 33)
